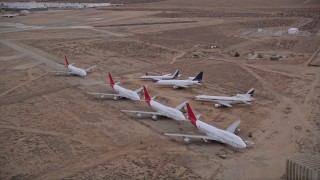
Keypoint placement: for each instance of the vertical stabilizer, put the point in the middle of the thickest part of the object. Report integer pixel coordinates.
(67, 62)
(176, 74)
(146, 95)
(191, 115)
(198, 77)
(111, 81)
(251, 92)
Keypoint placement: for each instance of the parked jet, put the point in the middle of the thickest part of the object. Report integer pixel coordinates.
(161, 110)
(182, 83)
(163, 77)
(73, 70)
(212, 133)
(228, 101)
(122, 92)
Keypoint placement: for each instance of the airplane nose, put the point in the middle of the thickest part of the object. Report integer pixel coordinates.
(182, 117)
(242, 145)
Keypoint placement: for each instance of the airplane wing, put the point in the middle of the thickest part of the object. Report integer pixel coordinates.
(90, 69)
(190, 136)
(60, 72)
(233, 126)
(104, 94)
(180, 106)
(223, 103)
(143, 112)
(140, 89)
(182, 86)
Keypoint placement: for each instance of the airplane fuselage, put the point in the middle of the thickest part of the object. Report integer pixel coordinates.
(229, 100)
(167, 111)
(176, 83)
(126, 93)
(221, 135)
(164, 77)
(76, 70)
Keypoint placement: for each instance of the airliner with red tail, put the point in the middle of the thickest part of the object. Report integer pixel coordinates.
(212, 133)
(161, 110)
(122, 92)
(72, 70)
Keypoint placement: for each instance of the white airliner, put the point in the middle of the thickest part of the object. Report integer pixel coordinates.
(73, 70)
(157, 78)
(212, 133)
(182, 83)
(122, 92)
(161, 110)
(228, 101)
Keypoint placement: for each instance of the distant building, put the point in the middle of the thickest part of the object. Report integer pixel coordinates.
(9, 15)
(45, 5)
(305, 167)
(293, 31)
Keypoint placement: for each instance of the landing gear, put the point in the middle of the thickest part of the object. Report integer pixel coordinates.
(154, 117)
(186, 140)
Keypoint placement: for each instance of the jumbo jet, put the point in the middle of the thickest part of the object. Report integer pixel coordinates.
(227, 101)
(212, 133)
(121, 92)
(72, 70)
(163, 77)
(182, 83)
(161, 110)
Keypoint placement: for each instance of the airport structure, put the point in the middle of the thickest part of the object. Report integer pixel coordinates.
(45, 5)
(303, 168)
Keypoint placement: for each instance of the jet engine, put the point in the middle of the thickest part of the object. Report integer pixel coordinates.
(139, 115)
(217, 105)
(116, 98)
(102, 96)
(154, 117)
(186, 140)
(175, 87)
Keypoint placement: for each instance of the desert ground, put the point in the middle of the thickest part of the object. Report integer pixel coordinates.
(52, 129)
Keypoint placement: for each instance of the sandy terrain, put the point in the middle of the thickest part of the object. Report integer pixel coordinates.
(52, 129)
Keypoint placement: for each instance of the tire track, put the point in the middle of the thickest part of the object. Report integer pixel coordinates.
(16, 98)
(22, 84)
(82, 164)
(51, 133)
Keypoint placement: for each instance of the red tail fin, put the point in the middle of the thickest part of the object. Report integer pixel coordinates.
(191, 115)
(67, 63)
(111, 81)
(146, 95)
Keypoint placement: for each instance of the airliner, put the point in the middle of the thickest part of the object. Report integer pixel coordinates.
(182, 83)
(163, 77)
(161, 110)
(72, 70)
(212, 133)
(227, 101)
(121, 92)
